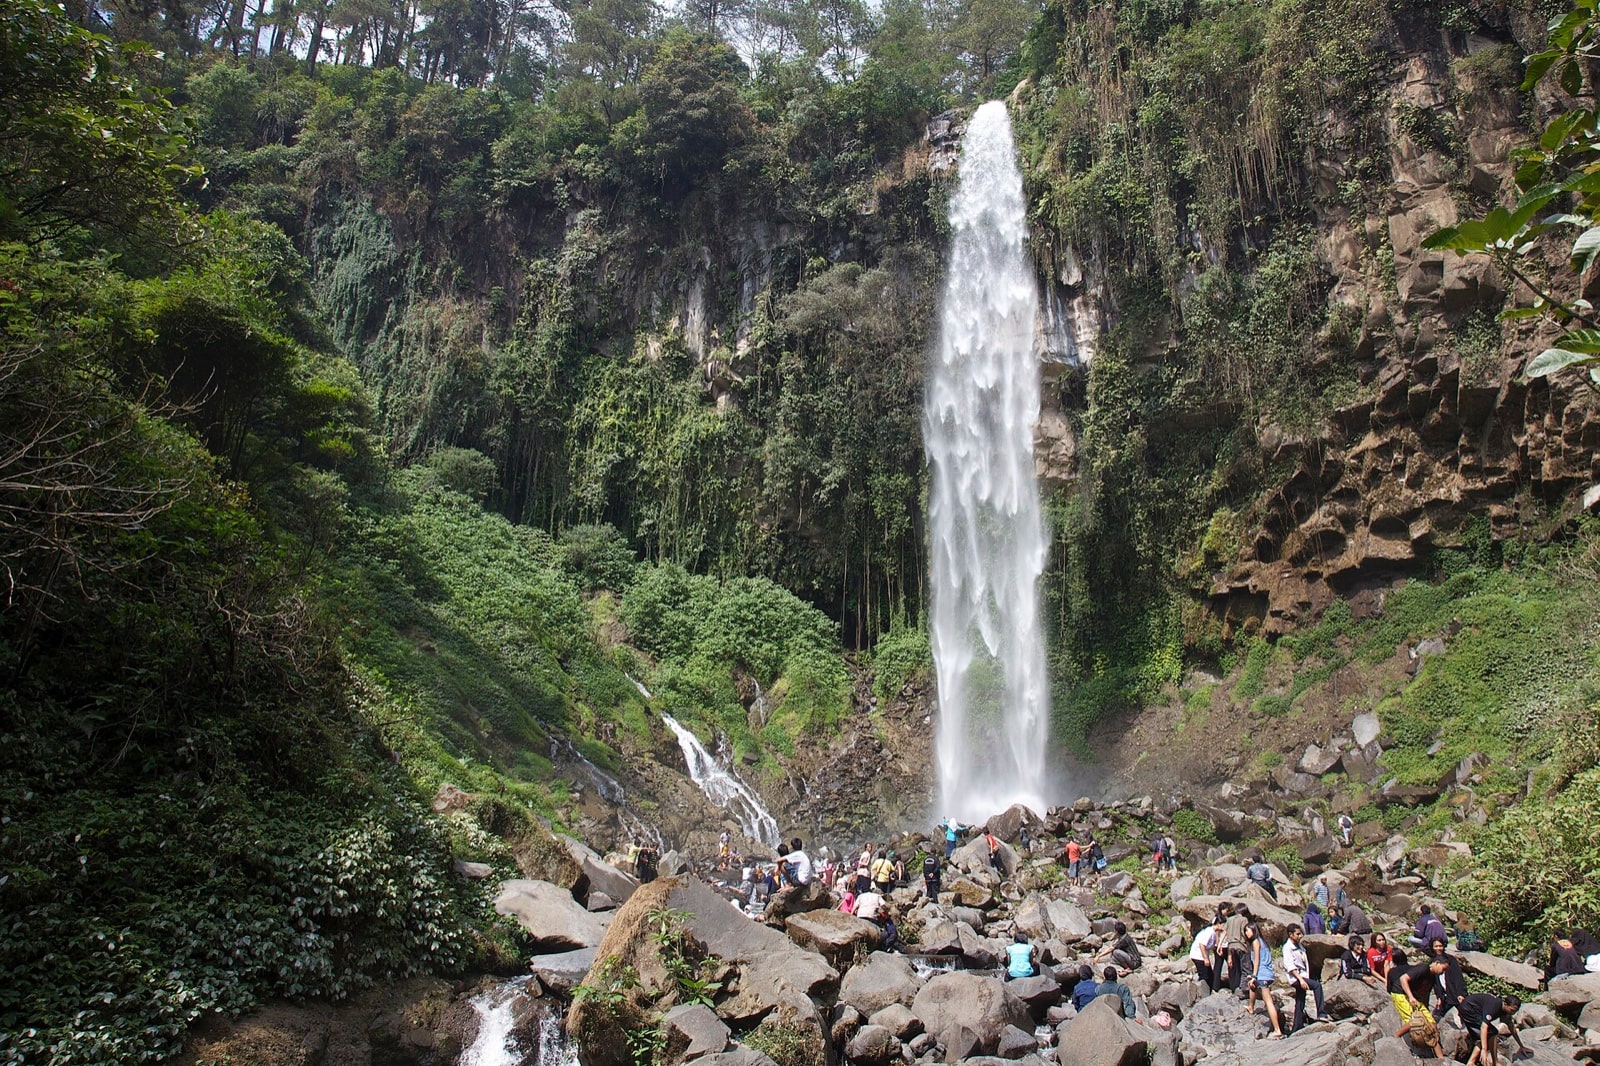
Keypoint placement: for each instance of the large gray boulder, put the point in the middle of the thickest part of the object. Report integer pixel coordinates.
(1217, 1024)
(550, 915)
(797, 899)
(1067, 919)
(898, 1019)
(940, 937)
(833, 934)
(1573, 992)
(599, 875)
(694, 1029)
(1032, 917)
(872, 1045)
(1309, 1047)
(979, 952)
(983, 1006)
(562, 971)
(1274, 921)
(882, 981)
(1514, 973)
(1099, 1036)
(1039, 993)
(1007, 824)
(738, 1056)
(1345, 999)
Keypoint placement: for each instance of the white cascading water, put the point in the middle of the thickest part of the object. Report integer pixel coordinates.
(987, 538)
(723, 789)
(497, 1042)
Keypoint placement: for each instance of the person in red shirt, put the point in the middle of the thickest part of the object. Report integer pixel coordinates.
(1380, 956)
(1074, 860)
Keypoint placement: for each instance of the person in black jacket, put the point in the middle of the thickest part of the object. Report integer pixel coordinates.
(1451, 986)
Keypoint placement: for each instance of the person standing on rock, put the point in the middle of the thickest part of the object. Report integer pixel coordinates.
(864, 871)
(1346, 826)
(1097, 855)
(1410, 988)
(1208, 951)
(1261, 977)
(883, 874)
(1074, 854)
(645, 864)
(1238, 949)
(1297, 968)
(996, 861)
(930, 876)
(952, 832)
(1169, 853)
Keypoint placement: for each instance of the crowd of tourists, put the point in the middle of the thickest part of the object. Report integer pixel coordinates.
(1425, 983)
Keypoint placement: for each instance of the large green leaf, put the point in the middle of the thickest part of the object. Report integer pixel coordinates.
(1554, 360)
(1585, 248)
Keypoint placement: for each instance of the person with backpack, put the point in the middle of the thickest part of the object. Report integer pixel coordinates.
(882, 871)
(1347, 825)
(1097, 856)
(930, 875)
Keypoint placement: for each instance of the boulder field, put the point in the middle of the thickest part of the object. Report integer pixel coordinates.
(683, 967)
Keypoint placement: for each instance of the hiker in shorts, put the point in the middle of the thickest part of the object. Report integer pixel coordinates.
(1261, 977)
(1479, 1015)
(1409, 990)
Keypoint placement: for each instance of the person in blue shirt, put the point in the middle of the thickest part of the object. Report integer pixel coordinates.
(1087, 988)
(952, 831)
(1020, 958)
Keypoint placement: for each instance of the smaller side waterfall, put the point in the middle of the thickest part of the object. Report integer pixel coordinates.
(504, 1032)
(496, 1043)
(724, 789)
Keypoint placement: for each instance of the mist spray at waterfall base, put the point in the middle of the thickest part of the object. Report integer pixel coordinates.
(987, 538)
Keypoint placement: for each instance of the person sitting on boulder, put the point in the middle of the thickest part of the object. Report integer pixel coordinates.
(1113, 987)
(1467, 938)
(1428, 928)
(1122, 951)
(1021, 958)
(891, 930)
(1260, 874)
(1354, 964)
(1380, 956)
(799, 863)
(1297, 968)
(1564, 959)
(1312, 921)
(868, 904)
(1087, 988)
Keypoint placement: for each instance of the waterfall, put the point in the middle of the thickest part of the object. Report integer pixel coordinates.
(724, 789)
(497, 1042)
(987, 540)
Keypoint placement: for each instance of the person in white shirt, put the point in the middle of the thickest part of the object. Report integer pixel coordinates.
(1297, 967)
(800, 861)
(1207, 951)
(867, 905)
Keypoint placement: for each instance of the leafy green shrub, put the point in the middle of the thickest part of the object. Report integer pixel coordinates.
(1252, 678)
(1192, 825)
(1534, 868)
(1287, 859)
(1274, 706)
(599, 557)
(898, 656)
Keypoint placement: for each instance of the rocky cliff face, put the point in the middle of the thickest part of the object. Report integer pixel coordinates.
(1436, 431)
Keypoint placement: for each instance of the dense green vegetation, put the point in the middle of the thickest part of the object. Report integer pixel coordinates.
(374, 415)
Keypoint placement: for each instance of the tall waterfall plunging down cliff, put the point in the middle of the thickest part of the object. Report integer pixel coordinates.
(988, 544)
